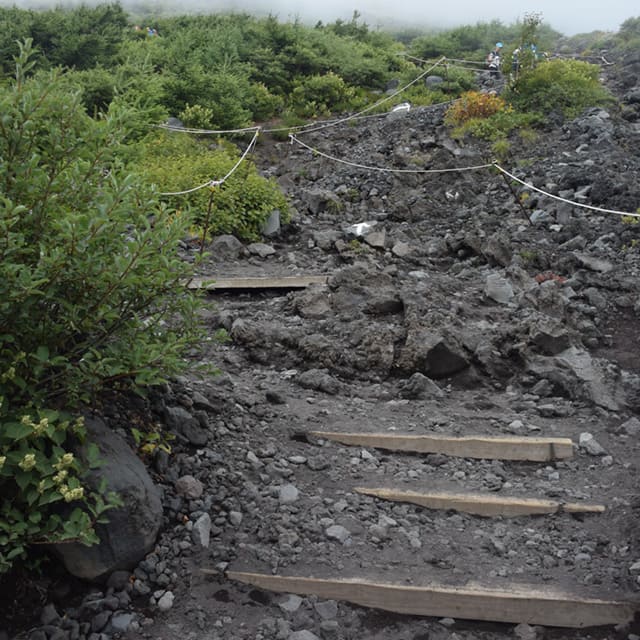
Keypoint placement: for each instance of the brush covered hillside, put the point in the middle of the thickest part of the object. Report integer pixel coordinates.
(317, 332)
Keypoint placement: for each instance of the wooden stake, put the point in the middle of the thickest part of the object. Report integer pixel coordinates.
(284, 282)
(482, 504)
(514, 604)
(489, 447)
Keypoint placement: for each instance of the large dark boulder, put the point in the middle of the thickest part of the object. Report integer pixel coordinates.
(132, 529)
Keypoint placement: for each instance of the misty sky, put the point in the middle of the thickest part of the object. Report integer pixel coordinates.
(567, 16)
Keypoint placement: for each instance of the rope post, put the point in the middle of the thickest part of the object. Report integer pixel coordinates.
(212, 187)
(515, 196)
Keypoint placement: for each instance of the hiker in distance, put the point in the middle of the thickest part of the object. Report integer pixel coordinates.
(493, 59)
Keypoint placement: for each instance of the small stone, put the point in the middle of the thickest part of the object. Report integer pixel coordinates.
(589, 444)
(516, 426)
(291, 604)
(525, 632)
(327, 610)
(447, 622)
(235, 518)
(189, 487)
(379, 532)
(498, 289)
(329, 627)
(303, 635)
(634, 569)
(141, 588)
(201, 532)
(119, 580)
(337, 532)
(317, 463)
(121, 622)
(631, 427)
(99, 622)
(288, 494)
(166, 601)
(49, 615)
(254, 461)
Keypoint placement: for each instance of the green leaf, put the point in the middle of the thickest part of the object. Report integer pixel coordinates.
(42, 353)
(16, 430)
(93, 456)
(23, 479)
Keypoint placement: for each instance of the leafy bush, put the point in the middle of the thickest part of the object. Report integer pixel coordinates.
(263, 103)
(81, 37)
(628, 38)
(489, 117)
(196, 117)
(566, 86)
(320, 94)
(225, 93)
(91, 296)
(177, 162)
(501, 124)
(38, 475)
(472, 105)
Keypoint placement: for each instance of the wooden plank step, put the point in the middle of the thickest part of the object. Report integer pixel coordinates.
(514, 604)
(489, 447)
(480, 504)
(258, 282)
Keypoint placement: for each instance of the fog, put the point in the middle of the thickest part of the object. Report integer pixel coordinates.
(569, 18)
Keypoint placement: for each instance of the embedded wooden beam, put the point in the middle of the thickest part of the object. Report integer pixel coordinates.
(488, 505)
(489, 447)
(513, 604)
(266, 282)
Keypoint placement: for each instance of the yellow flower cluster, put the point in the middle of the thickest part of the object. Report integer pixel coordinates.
(65, 461)
(70, 495)
(38, 427)
(28, 462)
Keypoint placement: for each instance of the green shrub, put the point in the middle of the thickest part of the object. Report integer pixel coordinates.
(98, 88)
(566, 86)
(473, 105)
(37, 475)
(264, 104)
(91, 296)
(177, 162)
(196, 117)
(318, 95)
(502, 124)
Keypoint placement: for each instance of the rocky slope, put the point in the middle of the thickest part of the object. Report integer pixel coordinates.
(468, 303)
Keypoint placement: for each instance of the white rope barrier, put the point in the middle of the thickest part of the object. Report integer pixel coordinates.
(459, 170)
(170, 127)
(435, 105)
(571, 202)
(209, 183)
(375, 104)
(217, 183)
(301, 127)
(385, 169)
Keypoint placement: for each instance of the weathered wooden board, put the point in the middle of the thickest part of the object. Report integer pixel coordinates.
(266, 282)
(514, 604)
(482, 504)
(489, 447)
